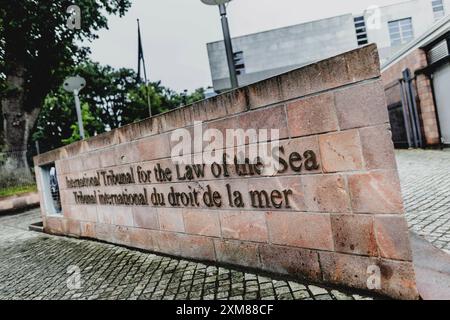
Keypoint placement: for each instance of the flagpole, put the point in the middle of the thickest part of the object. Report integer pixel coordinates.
(141, 57)
(148, 100)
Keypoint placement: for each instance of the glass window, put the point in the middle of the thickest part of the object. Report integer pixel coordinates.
(438, 9)
(239, 62)
(400, 31)
(361, 31)
(52, 200)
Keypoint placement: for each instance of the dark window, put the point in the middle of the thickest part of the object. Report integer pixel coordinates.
(51, 189)
(361, 31)
(239, 62)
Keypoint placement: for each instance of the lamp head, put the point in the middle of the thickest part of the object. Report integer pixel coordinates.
(214, 2)
(74, 83)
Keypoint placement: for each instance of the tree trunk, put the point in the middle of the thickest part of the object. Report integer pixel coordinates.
(17, 121)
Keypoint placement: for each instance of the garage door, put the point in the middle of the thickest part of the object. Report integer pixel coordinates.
(441, 80)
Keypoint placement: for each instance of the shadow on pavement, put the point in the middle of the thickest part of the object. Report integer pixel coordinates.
(432, 267)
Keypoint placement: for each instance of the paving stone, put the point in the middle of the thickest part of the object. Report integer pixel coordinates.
(425, 181)
(252, 289)
(266, 292)
(358, 297)
(285, 296)
(300, 295)
(296, 286)
(323, 297)
(249, 276)
(222, 295)
(251, 296)
(34, 266)
(317, 290)
(341, 296)
(266, 285)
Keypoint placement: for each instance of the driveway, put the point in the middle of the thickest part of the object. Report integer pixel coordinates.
(425, 181)
(40, 266)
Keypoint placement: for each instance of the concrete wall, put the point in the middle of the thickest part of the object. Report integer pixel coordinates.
(276, 51)
(273, 52)
(422, 16)
(345, 215)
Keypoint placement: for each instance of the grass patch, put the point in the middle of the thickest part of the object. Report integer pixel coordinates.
(5, 192)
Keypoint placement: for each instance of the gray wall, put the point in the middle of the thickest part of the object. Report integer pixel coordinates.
(276, 51)
(421, 14)
(272, 52)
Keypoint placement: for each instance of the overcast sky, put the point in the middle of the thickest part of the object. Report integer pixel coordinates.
(175, 32)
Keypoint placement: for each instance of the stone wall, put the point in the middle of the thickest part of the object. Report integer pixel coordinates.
(334, 215)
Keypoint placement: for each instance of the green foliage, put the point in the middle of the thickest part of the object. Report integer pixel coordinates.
(37, 47)
(57, 122)
(89, 121)
(106, 92)
(197, 95)
(35, 36)
(112, 98)
(16, 190)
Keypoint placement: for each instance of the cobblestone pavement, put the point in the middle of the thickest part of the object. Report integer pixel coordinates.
(425, 180)
(35, 266)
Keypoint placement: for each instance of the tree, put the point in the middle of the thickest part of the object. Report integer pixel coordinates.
(36, 47)
(112, 98)
(57, 122)
(107, 92)
(117, 97)
(162, 99)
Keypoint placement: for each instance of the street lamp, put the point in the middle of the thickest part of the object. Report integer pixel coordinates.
(75, 85)
(227, 38)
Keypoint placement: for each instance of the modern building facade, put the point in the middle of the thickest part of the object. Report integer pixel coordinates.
(268, 53)
(417, 86)
(265, 54)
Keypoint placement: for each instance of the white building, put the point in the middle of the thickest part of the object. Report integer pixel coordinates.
(396, 25)
(261, 55)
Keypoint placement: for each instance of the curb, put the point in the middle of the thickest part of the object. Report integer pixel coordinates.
(19, 202)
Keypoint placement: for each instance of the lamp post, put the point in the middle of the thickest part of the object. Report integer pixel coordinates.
(75, 85)
(227, 39)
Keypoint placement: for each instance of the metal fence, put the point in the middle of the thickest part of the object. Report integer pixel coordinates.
(403, 110)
